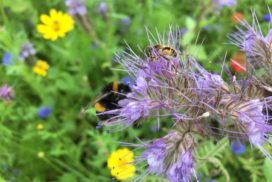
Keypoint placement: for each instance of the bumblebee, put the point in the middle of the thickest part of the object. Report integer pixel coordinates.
(160, 50)
(111, 94)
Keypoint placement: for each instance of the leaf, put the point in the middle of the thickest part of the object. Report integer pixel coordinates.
(187, 38)
(254, 167)
(67, 177)
(221, 167)
(212, 150)
(190, 23)
(198, 52)
(267, 168)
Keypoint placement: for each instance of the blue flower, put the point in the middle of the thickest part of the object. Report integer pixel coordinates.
(126, 81)
(7, 58)
(44, 112)
(267, 18)
(237, 147)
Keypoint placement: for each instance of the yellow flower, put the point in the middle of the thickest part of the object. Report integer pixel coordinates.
(41, 68)
(121, 165)
(56, 25)
(40, 126)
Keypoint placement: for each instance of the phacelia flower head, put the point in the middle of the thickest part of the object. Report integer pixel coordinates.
(170, 84)
(41, 68)
(55, 25)
(6, 92)
(76, 7)
(256, 45)
(168, 156)
(120, 163)
(237, 147)
(6, 60)
(27, 50)
(44, 112)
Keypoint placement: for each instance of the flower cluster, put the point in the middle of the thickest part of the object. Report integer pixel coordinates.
(6, 92)
(27, 50)
(168, 83)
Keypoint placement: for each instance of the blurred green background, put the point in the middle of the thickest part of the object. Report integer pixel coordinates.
(66, 146)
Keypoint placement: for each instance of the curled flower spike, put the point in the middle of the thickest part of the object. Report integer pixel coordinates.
(257, 47)
(169, 156)
(55, 25)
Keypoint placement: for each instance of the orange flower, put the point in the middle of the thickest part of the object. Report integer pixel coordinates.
(237, 17)
(238, 62)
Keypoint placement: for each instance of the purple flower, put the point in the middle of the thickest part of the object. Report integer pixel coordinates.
(237, 147)
(7, 58)
(132, 111)
(225, 3)
(76, 7)
(183, 169)
(208, 83)
(164, 158)
(27, 50)
(140, 86)
(125, 21)
(44, 112)
(6, 92)
(154, 128)
(124, 24)
(267, 18)
(103, 9)
(182, 31)
(154, 155)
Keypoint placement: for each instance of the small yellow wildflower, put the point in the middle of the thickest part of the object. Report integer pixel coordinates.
(40, 126)
(41, 154)
(121, 165)
(56, 25)
(41, 68)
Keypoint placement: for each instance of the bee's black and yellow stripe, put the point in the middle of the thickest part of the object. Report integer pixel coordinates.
(114, 92)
